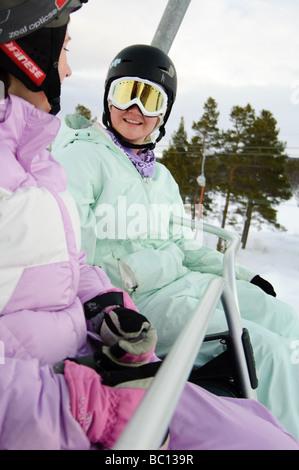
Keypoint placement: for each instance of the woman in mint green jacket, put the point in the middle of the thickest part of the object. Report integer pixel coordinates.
(126, 200)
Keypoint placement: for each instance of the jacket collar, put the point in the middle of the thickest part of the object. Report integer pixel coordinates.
(26, 130)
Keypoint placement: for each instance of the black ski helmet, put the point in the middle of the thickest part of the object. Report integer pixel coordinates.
(147, 62)
(32, 33)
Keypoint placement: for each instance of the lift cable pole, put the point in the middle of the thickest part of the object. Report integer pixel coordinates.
(169, 25)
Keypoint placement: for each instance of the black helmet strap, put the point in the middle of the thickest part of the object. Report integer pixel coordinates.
(125, 143)
(52, 87)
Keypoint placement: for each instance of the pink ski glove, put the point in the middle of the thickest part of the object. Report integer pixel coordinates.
(101, 411)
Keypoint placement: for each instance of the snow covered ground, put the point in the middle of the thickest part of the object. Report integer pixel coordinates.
(274, 255)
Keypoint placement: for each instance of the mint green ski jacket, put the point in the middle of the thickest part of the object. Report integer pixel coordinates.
(126, 219)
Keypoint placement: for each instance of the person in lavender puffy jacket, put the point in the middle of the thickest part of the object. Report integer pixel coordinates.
(55, 310)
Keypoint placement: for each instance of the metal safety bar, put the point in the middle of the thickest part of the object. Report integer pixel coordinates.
(149, 424)
(229, 296)
(150, 421)
(230, 252)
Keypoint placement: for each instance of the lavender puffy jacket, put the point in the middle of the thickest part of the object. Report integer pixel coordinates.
(43, 282)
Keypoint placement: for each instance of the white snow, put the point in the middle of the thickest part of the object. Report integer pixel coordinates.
(274, 255)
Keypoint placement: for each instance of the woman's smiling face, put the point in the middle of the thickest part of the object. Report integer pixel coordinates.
(132, 125)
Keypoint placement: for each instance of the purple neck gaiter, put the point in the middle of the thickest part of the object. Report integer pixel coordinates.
(144, 161)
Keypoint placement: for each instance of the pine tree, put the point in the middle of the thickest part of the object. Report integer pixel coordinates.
(85, 112)
(292, 173)
(206, 129)
(175, 159)
(229, 162)
(246, 163)
(203, 147)
(263, 172)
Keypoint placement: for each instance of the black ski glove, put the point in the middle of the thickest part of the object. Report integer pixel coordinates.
(128, 336)
(264, 285)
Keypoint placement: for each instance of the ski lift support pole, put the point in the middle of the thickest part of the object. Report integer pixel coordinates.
(201, 180)
(169, 24)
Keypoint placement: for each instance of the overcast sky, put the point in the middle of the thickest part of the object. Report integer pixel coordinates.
(236, 51)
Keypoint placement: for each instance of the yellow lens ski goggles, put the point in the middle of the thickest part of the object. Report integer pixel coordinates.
(149, 97)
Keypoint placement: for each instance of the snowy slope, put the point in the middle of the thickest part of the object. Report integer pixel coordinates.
(274, 255)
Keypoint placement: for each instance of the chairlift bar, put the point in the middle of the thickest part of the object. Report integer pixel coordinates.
(235, 329)
(149, 424)
(230, 253)
(229, 297)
